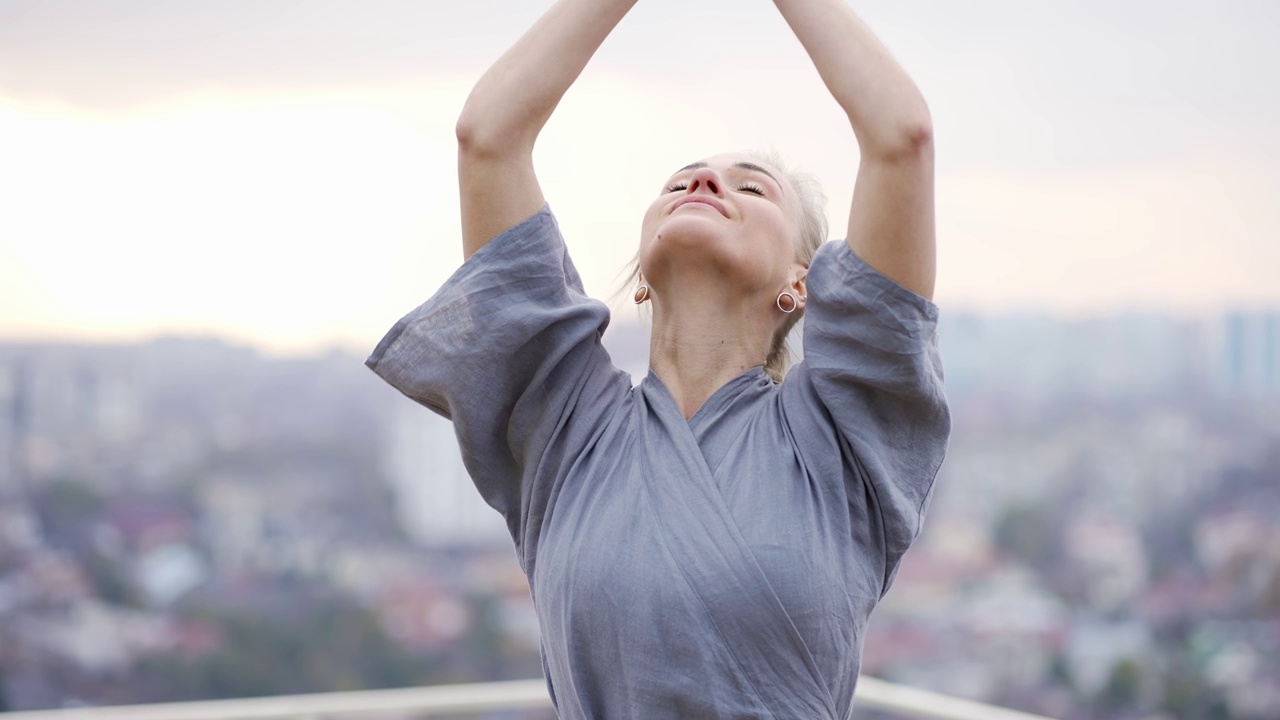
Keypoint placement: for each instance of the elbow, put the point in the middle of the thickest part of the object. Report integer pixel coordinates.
(481, 137)
(465, 130)
(907, 141)
(902, 129)
(917, 137)
(472, 136)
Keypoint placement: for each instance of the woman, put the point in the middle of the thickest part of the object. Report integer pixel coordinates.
(711, 542)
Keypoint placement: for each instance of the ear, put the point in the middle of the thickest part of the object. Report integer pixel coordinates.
(799, 286)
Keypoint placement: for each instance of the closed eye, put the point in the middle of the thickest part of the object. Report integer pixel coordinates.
(754, 189)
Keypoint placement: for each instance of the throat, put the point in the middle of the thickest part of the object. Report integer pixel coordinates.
(707, 339)
(692, 389)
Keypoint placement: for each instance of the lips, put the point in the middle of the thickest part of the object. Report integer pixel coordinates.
(702, 199)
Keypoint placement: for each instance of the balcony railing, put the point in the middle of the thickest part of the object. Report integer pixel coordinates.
(872, 694)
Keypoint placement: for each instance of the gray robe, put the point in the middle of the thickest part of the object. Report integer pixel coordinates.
(720, 567)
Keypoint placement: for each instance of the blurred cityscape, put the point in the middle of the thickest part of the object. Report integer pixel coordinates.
(187, 519)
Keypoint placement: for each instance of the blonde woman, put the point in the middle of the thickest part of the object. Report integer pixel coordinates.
(711, 542)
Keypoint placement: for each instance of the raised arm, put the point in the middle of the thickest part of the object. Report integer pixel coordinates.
(508, 107)
(891, 221)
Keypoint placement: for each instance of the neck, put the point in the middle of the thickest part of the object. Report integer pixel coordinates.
(701, 341)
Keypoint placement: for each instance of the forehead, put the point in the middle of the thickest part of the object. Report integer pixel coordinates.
(727, 161)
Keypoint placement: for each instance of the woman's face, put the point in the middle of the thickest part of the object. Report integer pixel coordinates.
(730, 213)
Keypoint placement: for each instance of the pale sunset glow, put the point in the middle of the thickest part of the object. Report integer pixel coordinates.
(294, 204)
(246, 218)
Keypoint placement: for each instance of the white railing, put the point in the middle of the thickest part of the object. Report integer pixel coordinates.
(872, 694)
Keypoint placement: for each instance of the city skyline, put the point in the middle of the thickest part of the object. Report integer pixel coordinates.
(284, 176)
(1099, 541)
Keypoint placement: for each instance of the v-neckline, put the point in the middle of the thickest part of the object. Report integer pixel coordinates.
(716, 399)
(701, 534)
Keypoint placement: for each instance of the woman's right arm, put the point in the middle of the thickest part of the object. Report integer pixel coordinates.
(508, 107)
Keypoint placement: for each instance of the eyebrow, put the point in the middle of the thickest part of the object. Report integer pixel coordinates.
(744, 165)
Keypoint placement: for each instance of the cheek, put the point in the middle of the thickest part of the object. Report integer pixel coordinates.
(649, 222)
(646, 222)
(778, 237)
(647, 229)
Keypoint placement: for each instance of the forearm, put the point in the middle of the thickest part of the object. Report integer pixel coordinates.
(514, 99)
(887, 111)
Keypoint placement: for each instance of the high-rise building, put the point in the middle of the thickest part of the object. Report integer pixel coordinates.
(435, 499)
(1245, 352)
(1034, 356)
(17, 419)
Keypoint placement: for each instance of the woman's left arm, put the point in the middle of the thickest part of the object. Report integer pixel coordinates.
(891, 221)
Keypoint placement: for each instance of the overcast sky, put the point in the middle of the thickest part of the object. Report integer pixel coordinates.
(283, 173)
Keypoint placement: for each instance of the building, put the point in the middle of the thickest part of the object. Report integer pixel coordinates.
(1245, 354)
(435, 499)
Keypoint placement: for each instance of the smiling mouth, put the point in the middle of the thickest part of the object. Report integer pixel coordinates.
(704, 203)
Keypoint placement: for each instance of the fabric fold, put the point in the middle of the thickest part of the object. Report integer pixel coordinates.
(717, 563)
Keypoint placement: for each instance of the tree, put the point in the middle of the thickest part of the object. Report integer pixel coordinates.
(1030, 533)
(1124, 687)
(322, 644)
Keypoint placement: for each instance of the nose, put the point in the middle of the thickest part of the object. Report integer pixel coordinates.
(706, 180)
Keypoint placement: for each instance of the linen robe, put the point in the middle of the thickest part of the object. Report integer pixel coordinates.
(719, 567)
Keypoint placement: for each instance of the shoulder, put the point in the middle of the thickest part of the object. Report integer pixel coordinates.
(852, 302)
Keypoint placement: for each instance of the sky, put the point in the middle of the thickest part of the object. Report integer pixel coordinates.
(283, 173)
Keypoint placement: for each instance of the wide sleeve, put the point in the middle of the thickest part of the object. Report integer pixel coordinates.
(509, 350)
(871, 363)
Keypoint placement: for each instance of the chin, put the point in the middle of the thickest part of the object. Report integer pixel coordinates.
(689, 238)
(679, 252)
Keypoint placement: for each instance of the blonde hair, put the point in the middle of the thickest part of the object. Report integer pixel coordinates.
(810, 235)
